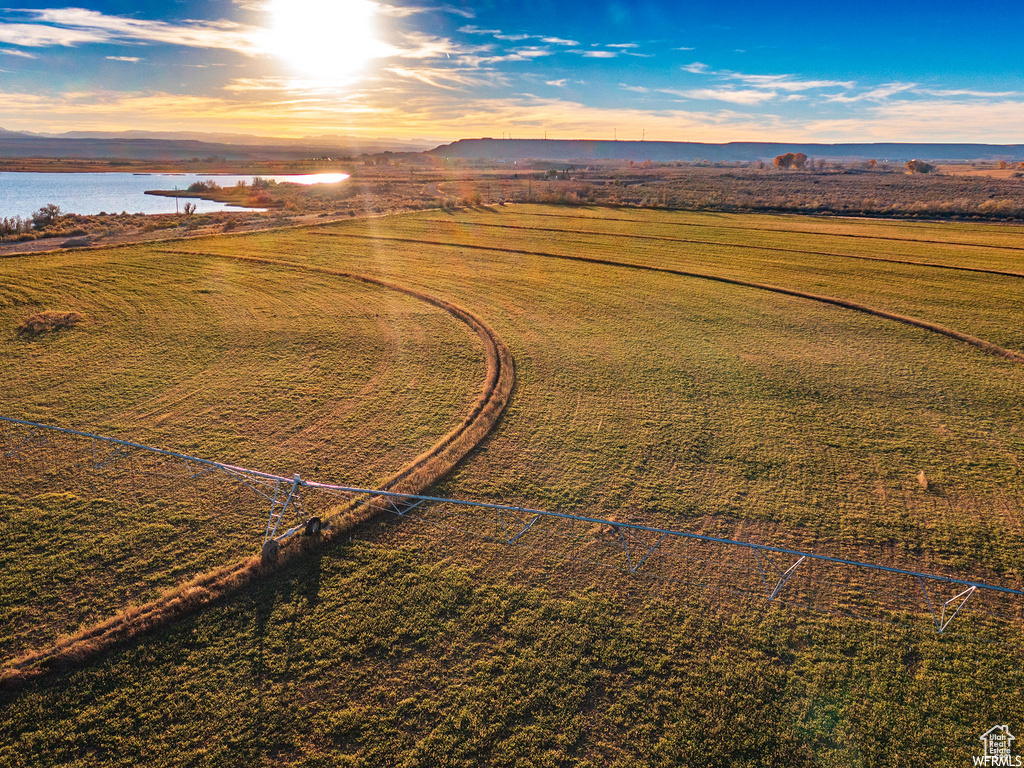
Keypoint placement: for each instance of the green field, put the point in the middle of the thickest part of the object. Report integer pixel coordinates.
(641, 395)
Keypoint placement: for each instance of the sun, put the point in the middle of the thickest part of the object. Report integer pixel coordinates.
(324, 39)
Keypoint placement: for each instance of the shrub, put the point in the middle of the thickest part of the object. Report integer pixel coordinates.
(48, 320)
(919, 166)
(204, 186)
(45, 216)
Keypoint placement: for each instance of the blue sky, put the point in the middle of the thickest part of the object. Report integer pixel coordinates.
(699, 71)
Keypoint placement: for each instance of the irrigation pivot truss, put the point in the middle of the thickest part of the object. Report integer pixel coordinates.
(244, 502)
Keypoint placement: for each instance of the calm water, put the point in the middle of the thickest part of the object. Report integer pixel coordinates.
(90, 193)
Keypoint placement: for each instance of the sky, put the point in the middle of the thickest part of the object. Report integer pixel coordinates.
(439, 71)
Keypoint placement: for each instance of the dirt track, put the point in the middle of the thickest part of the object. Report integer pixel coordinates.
(942, 330)
(416, 476)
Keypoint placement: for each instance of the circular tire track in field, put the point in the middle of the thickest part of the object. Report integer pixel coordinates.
(772, 248)
(974, 341)
(787, 231)
(414, 477)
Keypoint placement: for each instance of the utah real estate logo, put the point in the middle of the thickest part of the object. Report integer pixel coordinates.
(998, 749)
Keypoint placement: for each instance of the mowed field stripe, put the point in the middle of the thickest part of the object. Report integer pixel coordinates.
(974, 341)
(1016, 248)
(413, 478)
(777, 249)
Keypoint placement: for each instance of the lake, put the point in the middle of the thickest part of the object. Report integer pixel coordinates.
(89, 193)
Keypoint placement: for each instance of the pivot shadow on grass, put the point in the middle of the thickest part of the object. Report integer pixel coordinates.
(293, 586)
(250, 642)
(297, 584)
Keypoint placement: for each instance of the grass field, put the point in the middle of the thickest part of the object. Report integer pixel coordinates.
(640, 395)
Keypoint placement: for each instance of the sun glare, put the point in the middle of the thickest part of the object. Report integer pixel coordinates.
(324, 39)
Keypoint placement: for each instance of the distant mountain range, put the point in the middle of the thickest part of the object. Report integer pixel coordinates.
(146, 145)
(143, 145)
(667, 151)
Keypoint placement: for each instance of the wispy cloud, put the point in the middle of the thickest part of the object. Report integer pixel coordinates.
(518, 37)
(472, 29)
(123, 58)
(773, 82)
(449, 78)
(405, 11)
(75, 26)
(730, 95)
(635, 88)
(953, 92)
(786, 82)
(415, 44)
(599, 54)
(622, 45)
(42, 36)
(17, 52)
(257, 84)
(527, 53)
(879, 93)
(466, 13)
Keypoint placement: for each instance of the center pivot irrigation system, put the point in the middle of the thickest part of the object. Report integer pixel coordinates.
(35, 454)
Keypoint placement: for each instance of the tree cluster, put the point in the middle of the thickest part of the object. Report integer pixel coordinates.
(795, 160)
(45, 216)
(14, 225)
(919, 166)
(204, 186)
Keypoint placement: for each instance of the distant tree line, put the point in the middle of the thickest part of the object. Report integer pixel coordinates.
(11, 226)
(14, 225)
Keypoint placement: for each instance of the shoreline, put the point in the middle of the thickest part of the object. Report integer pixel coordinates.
(292, 220)
(218, 167)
